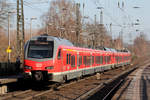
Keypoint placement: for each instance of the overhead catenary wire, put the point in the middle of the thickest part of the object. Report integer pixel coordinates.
(97, 3)
(127, 15)
(30, 4)
(39, 1)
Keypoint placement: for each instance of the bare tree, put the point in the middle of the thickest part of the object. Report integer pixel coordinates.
(98, 35)
(4, 9)
(60, 20)
(141, 45)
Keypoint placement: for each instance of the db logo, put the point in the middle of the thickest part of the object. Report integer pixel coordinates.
(38, 65)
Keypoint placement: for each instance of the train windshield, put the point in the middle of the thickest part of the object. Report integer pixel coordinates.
(40, 50)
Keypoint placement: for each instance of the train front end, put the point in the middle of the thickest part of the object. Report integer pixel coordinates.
(39, 58)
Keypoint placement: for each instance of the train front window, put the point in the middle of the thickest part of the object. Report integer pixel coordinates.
(40, 50)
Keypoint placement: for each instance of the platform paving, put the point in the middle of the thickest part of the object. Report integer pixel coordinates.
(137, 86)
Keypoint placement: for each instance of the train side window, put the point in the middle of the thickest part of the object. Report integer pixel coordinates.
(67, 61)
(59, 54)
(69, 58)
(120, 58)
(80, 60)
(98, 59)
(95, 59)
(101, 59)
(84, 60)
(72, 61)
(88, 60)
(117, 58)
(105, 59)
(109, 59)
(92, 60)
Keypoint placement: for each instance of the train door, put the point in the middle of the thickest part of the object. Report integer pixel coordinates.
(113, 58)
(78, 60)
(59, 60)
(68, 61)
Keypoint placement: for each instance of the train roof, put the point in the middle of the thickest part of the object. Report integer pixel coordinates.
(64, 42)
(58, 40)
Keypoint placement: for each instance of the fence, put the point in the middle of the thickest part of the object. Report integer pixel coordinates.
(7, 69)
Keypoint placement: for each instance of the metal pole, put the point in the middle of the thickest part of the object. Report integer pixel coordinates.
(101, 27)
(77, 22)
(18, 28)
(22, 38)
(8, 35)
(111, 34)
(30, 28)
(94, 32)
(122, 37)
(101, 17)
(47, 29)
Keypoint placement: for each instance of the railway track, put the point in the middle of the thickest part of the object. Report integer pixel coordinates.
(112, 85)
(107, 90)
(23, 92)
(68, 91)
(76, 90)
(123, 83)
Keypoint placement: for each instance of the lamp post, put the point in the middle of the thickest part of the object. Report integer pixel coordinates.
(31, 19)
(111, 35)
(101, 14)
(47, 27)
(9, 33)
(62, 26)
(47, 19)
(101, 26)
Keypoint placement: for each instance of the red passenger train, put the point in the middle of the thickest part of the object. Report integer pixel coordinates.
(56, 59)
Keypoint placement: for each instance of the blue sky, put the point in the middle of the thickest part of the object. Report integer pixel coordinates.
(112, 14)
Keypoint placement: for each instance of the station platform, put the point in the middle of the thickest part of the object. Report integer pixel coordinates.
(4, 80)
(9, 79)
(137, 86)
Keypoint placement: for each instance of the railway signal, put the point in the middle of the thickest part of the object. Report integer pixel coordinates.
(8, 50)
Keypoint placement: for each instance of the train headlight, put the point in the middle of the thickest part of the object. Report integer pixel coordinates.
(27, 67)
(49, 67)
